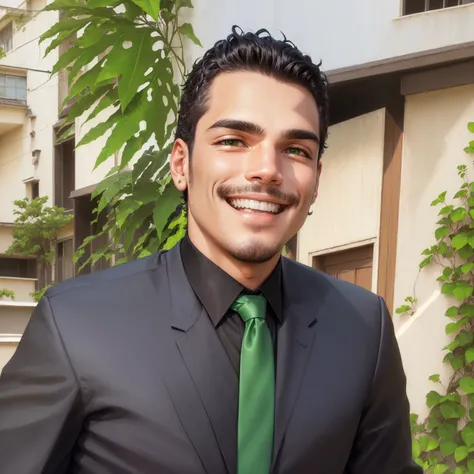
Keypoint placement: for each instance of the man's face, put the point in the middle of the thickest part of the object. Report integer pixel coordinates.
(253, 172)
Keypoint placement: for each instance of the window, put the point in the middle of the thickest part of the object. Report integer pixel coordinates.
(12, 87)
(418, 6)
(6, 38)
(64, 174)
(34, 190)
(353, 265)
(17, 267)
(64, 262)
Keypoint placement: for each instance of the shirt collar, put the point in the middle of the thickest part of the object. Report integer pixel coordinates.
(217, 290)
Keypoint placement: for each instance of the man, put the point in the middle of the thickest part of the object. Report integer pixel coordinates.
(219, 356)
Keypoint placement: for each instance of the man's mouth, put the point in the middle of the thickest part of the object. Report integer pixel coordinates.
(252, 205)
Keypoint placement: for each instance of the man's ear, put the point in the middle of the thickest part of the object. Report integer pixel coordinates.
(179, 164)
(318, 175)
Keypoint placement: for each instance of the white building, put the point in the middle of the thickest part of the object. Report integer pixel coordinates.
(402, 92)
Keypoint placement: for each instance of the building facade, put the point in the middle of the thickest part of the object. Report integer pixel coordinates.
(402, 91)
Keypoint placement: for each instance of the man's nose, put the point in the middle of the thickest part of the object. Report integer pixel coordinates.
(264, 166)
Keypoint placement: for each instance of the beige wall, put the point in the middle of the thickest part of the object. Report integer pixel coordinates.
(16, 161)
(347, 211)
(12, 150)
(6, 351)
(435, 135)
(21, 286)
(5, 236)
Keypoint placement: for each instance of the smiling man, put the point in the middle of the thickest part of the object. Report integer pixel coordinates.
(219, 356)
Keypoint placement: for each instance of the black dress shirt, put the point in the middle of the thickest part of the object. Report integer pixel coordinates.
(216, 290)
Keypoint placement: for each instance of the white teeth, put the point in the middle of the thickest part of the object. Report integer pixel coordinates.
(250, 204)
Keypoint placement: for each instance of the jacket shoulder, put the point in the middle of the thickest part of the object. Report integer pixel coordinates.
(108, 276)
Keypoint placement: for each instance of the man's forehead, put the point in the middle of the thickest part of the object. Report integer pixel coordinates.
(260, 99)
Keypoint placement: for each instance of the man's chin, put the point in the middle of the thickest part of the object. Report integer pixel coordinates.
(254, 252)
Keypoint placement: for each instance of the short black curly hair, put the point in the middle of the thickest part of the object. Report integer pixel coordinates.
(258, 52)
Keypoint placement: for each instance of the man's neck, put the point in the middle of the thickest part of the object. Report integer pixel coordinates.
(249, 275)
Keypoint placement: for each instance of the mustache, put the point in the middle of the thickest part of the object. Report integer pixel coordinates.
(226, 190)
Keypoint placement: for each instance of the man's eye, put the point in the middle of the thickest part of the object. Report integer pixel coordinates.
(297, 151)
(231, 142)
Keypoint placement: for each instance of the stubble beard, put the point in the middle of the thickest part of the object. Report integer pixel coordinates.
(253, 252)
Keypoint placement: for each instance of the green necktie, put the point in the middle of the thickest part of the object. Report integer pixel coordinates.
(256, 388)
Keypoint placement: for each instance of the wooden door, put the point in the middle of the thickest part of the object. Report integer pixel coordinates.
(353, 265)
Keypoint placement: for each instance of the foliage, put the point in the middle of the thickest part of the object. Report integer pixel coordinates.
(444, 442)
(37, 295)
(127, 63)
(5, 293)
(36, 227)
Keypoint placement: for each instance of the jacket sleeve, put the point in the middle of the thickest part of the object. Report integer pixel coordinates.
(383, 443)
(40, 401)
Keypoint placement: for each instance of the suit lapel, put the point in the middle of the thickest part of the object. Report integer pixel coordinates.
(295, 340)
(210, 377)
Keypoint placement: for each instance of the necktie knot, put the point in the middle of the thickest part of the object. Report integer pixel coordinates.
(250, 307)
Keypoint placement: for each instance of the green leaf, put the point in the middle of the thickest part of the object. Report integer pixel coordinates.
(440, 469)
(467, 267)
(467, 434)
(466, 384)
(432, 444)
(165, 205)
(130, 64)
(458, 214)
(452, 312)
(445, 210)
(66, 58)
(100, 129)
(457, 362)
(124, 209)
(447, 288)
(426, 262)
(460, 470)
(92, 50)
(447, 431)
(85, 82)
(462, 290)
(460, 194)
(470, 127)
(460, 240)
(125, 128)
(470, 465)
(187, 30)
(442, 232)
(433, 398)
(461, 453)
(447, 447)
(434, 378)
(452, 410)
(151, 7)
(464, 338)
(109, 100)
(467, 310)
(466, 252)
(453, 327)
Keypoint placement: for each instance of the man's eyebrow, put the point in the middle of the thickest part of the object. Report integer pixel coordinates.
(297, 134)
(255, 129)
(239, 125)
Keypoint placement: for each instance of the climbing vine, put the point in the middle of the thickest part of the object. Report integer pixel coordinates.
(444, 442)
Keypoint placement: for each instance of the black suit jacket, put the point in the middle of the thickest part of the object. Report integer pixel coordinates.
(122, 372)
